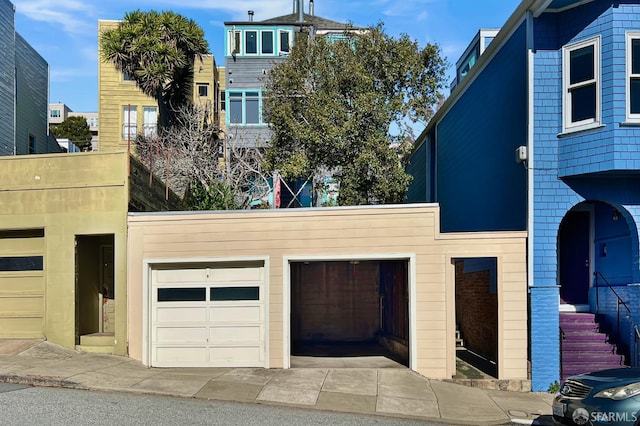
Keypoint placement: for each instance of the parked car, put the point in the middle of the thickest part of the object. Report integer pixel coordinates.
(607, 397)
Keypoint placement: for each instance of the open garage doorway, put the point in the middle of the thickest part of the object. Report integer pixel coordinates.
(476, 304)
(349, 313)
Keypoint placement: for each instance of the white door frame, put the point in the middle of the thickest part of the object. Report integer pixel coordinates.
(286, 285)
(147, 297)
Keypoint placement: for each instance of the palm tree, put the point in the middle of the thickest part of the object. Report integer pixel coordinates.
(156, 50)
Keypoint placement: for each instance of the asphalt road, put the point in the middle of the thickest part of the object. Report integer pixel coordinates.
(22, 405)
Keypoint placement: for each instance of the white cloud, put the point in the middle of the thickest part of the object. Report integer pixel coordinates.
(236, 8)
(69, 15)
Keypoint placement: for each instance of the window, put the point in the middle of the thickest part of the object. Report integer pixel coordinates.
(285, 41)
(252, 101)
(197, 294)
(93, 122)
(129, 120)
(235, 107)
(244, 107)
(32, 144)
(235, 42)
(55, 113)
(581, 82)
(127, 77)
(150, 121)
(251, 42)
(234, 293)
(23, 263)
(267, 42)
(633, 77)
(203, 89)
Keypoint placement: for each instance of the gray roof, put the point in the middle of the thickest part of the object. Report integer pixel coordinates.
(318, 22)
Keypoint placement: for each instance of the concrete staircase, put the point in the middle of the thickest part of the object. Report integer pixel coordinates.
(586, 345)
(97, 343)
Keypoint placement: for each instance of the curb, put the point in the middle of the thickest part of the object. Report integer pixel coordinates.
(40, 381)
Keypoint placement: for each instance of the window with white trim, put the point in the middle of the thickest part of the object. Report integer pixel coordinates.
(581, 83)
(266, 42)
(129, 122)
(234, 39)
(150, 121)
(285, 41)
(251, 42)
(633, 77)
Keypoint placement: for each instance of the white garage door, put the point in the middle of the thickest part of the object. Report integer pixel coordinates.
(208, 317)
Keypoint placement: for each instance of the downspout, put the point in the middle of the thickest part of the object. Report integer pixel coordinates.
(530, 147)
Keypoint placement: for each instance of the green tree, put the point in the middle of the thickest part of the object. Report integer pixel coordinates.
(345, 108)
(76, 129)
(157, 50)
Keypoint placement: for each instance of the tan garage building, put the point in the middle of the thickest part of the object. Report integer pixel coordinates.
(255, 288)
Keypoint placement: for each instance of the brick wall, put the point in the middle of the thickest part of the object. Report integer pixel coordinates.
(477, 312)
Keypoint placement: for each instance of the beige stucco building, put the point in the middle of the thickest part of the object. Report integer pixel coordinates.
(250, 288)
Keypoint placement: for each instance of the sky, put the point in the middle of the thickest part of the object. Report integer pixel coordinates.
(65, 32)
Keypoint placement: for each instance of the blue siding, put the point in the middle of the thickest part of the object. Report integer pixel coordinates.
(598, 166)
(417, 192)
(612, 147)
(476, 143)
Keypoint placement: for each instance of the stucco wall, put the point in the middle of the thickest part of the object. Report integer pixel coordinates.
(330, 233)
(68, 195)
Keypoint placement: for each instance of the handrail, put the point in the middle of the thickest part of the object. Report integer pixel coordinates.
(636, 337)
(620, 300)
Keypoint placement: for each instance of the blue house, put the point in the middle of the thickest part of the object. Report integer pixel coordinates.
(542, 134)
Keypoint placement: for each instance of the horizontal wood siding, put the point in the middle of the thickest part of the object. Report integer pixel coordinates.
(246, 73)
(376, 232)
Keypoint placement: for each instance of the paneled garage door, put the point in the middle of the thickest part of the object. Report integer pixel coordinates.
(208, 317)
(22, 283)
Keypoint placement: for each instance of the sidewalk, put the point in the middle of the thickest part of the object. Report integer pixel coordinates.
(382, 391)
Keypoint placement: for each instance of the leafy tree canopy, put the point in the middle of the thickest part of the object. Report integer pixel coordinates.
(157, 50)
(345, 108)
(76, 129)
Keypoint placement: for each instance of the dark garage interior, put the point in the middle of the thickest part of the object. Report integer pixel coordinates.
(354, 308)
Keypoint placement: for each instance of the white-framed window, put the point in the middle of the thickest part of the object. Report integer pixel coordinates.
(284, 46)
(633, 76)
(127, 77)
(251, 42)
(129, 122)
(150, 121)
(234, 39)
(581, 85)
(55, 113)
(266, 42)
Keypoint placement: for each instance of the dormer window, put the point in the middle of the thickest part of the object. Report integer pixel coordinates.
(251, 42)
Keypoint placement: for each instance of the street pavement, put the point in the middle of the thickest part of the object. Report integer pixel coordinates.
(396, 392)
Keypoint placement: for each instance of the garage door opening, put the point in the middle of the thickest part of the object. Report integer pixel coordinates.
(476, 298)
(350, 313)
